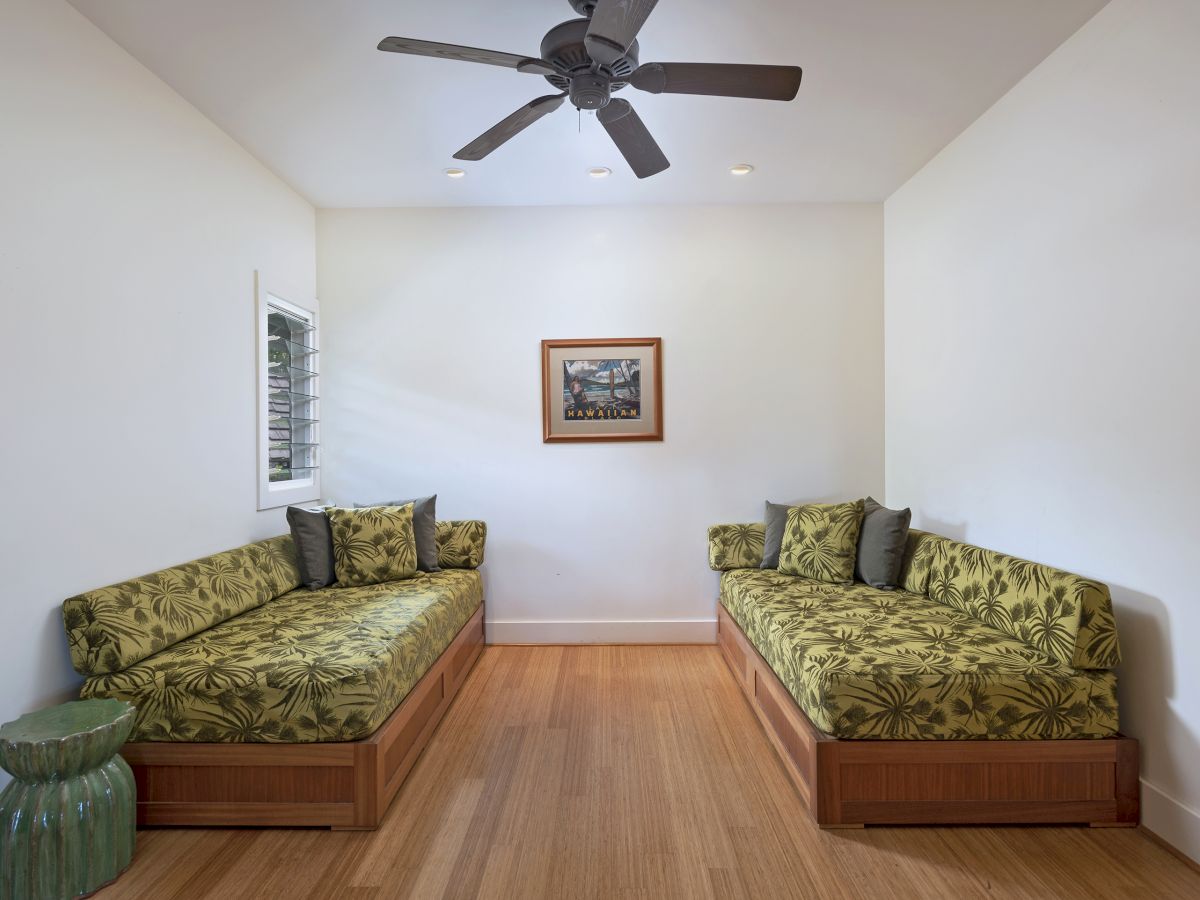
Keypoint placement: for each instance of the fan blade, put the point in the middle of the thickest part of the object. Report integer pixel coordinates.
(632, 138)
(615, 26)
(717, 80)
(510, 127)
(415, 47)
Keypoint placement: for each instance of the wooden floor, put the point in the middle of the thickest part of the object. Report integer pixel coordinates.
(629, 772)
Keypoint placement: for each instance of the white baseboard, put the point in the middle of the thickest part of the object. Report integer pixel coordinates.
(1175, 823)
(654, 631)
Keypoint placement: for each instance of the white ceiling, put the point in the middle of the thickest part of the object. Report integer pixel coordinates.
(299, 83)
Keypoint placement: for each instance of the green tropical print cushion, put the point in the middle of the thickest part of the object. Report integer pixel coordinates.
(736, 546)
(869, 664)
(821, 541)
(114, 627)
(373, 544)
(460, 544)
(1067, 617)
(327, 665)
(918, 559)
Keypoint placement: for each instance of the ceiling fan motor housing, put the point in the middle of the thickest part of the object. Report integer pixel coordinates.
(588, 84)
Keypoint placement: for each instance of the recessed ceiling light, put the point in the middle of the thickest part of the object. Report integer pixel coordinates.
(600, 172)
(455, 173)
(741, 169)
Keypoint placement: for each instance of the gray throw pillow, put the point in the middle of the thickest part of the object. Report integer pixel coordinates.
(314, 546)
(881, 544)
(776, 522)
(424, 526)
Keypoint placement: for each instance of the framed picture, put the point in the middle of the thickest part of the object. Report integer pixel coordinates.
(602, 389)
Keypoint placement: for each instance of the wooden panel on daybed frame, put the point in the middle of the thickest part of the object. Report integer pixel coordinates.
(848, 784)
(345, 785)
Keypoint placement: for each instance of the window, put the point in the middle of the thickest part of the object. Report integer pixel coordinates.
(289, 390)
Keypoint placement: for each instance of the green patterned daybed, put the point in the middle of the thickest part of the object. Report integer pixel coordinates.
(231, 650)
(975, 646)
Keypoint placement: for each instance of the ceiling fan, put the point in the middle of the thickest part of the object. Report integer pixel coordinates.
(588, 59)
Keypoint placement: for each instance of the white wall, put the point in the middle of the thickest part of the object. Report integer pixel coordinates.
(130, 229)
(772, 328)
(1042, 318)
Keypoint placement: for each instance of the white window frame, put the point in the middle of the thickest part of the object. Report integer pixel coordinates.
(272, 495)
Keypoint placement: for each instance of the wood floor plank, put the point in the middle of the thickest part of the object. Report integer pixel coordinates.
(629, 772)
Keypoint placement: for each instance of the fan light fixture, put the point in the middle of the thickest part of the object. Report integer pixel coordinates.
(587, 60)
(741, 169)
(455, 173)
(600, 172)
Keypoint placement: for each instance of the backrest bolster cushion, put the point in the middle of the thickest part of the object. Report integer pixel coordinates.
(918, 557)
(736, 546)
(1066, 616)
(460, 543)
(112, 628)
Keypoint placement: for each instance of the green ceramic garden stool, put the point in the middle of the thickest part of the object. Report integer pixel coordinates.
(68, 815)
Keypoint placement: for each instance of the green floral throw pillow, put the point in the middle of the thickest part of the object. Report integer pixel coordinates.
(821, 541)
(373, 544)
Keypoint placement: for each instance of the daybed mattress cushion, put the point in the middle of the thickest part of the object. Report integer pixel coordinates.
(328, 665)
(867, 663)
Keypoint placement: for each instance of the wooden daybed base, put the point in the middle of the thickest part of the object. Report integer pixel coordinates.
(849, 784)
(345, 786)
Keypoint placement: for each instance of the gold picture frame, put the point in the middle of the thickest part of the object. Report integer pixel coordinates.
(602, 389)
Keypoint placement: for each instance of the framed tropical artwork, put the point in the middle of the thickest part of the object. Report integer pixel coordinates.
(602, 389)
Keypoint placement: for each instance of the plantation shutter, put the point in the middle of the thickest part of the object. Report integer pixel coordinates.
(292, 396)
